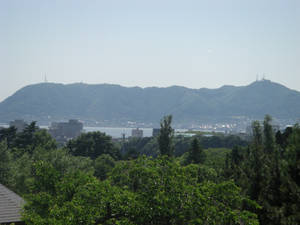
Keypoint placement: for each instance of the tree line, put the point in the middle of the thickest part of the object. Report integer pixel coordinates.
(94, 180)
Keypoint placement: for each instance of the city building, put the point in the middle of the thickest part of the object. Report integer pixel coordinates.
(137, 133)
(155, 132)
(64, 131)
(19, 124)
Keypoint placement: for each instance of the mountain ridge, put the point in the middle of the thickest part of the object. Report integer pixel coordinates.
(112, 102)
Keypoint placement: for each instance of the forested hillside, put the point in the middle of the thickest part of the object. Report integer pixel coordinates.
(49, 101)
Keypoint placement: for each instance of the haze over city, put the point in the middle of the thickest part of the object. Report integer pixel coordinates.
(149, 43)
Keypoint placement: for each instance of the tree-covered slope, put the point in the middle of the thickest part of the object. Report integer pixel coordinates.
(50, 101)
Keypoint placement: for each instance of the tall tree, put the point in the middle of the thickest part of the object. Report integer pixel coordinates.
(269, 138)
(4, 163)
(256, 161)
(25, 139)
(196, 154)
(9, 134)
(165, 136)
(256, 134)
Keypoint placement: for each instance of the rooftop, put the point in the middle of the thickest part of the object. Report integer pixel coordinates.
(10, 206)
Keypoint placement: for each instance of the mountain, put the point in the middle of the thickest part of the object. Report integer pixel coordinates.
(105, 102)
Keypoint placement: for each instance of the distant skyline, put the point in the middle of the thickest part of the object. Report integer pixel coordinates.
(189, 43)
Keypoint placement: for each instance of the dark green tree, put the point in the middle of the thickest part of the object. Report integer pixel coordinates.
(103, 165)
(5, 164)
(132, 148)
(165, 137)
(292, 154)
(196, 153)
(257, 161)
(282, 138)
(93, 144)
(43, 139)
(269, 173)
(269, 138)
(25, 139)
(279, 138)
(256, 134)
(291, 180)
(9, 135)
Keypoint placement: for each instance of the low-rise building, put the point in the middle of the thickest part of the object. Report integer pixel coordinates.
(155, 132)
(64, 131)
(137, 133)
(19, 124)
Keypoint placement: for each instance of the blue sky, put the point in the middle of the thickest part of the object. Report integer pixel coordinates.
(149, 43)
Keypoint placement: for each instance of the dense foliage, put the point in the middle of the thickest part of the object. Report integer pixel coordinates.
(96, 181)
(196, 154)
(149, 145)
(269, 173)
(142, 191)
(165, 137)
(93, 144)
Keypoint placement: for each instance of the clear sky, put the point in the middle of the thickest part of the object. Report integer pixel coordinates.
(192, 43)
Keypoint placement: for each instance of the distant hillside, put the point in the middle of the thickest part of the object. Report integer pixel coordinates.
(103, 102)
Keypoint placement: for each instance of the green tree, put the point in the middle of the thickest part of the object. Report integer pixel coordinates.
(168, 193)
(269, 138)
(103, 165)
(5, 164)
(31, 138)
(269, 173)
(196, 153)
(282, 138)
(22, 172)
(135, 146)
(93, 144)
(165, 137)
(256, 134)
(25, 138)
(257, 161)
(290, 183)
(9, 135)
(143, 191)
(42, 138)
